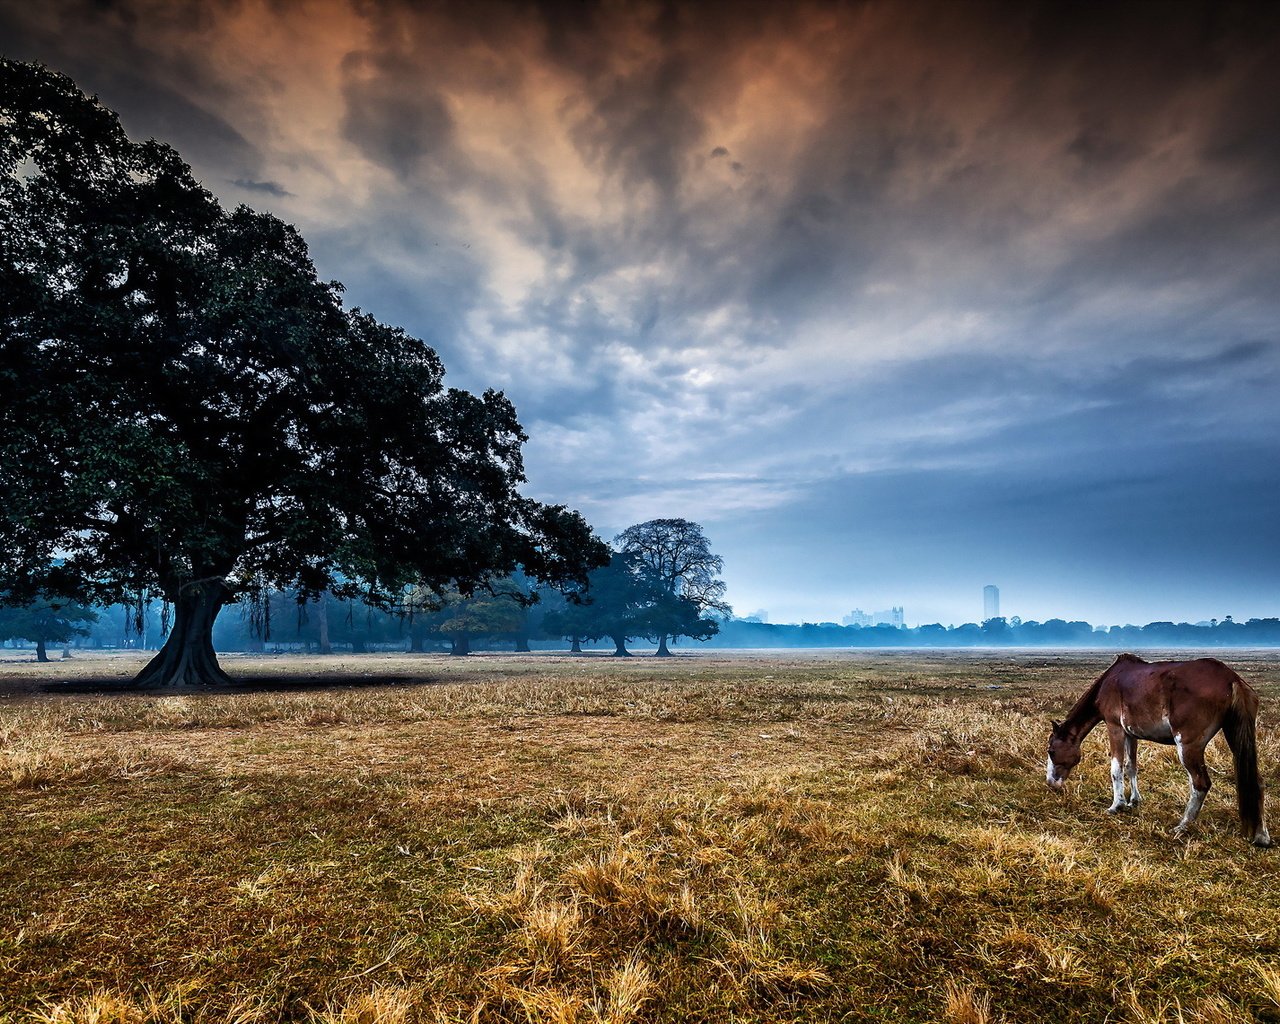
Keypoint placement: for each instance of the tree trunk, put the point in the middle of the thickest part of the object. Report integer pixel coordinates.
(620, 647)
(522, 644)
(576, 646)
(415, 641)
(325, 646)
(187, 657)
(41, 653)
(461, 645)
(662, 651)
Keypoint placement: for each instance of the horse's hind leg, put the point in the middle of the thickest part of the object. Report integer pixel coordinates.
(1116, 735)
(1131, 769)
(1192, 758)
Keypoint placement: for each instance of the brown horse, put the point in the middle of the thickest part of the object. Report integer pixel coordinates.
(1184, 703)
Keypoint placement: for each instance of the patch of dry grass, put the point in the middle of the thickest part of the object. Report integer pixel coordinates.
(580, 840)
(47, 760)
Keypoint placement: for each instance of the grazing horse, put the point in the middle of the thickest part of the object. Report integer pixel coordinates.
(1184, 703)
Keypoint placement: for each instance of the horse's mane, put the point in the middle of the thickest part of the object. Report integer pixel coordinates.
(1088, 699)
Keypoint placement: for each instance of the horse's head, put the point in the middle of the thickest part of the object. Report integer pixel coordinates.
(1064, 754)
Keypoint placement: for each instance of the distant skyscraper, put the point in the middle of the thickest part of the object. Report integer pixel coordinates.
(990, 602)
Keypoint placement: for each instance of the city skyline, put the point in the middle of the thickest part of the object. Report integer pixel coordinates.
(895, 615)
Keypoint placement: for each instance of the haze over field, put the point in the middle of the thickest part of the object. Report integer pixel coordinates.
(896, 299)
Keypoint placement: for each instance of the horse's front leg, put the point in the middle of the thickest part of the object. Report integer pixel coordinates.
(1192, 757)
(1117, 737)
(1131, 769)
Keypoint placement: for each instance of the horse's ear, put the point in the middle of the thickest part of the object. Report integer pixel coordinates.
(1056, 725)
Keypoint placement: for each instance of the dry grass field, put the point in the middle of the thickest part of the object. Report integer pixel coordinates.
(387, 840)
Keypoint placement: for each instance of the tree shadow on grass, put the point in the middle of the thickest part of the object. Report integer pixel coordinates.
(241, 685)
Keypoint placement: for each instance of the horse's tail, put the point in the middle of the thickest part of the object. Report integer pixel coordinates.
(1238, 726)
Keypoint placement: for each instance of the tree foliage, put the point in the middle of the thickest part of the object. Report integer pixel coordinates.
(678, 556)
(195, 414)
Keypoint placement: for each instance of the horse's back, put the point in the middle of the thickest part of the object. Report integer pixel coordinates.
(1206, 675)
(1159, 699)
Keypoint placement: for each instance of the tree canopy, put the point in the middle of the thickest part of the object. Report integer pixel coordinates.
(191, 412)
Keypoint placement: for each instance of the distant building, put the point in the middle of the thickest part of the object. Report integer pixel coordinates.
(990, 602)
(893, 617)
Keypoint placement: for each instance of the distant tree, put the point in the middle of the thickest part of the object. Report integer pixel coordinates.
(679, 556)
(532, 617)
(1263, 632)
(324, 645)
(417, 607)
(967, 634)
(997, 631)
(190, 412)
(353, 622)
(528, 599)
(674, 615)
(47, 620)
(568, 617)
(617, 603)
(466, 618)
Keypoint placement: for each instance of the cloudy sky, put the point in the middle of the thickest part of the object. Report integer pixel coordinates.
(897, 299)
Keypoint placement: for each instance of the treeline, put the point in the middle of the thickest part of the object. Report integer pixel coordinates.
(661, 583)
(1001, 632)
(495, 622)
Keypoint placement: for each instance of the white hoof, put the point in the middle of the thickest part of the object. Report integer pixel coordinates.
(1262, 839)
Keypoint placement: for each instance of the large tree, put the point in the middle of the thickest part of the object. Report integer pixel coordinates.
(189, 411)
(679, 555)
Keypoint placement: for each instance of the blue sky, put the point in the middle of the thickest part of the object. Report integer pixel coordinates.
(896, 299)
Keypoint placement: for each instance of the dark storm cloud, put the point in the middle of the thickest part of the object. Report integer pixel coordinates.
(988, 270)
(106, 49)
(397, 127)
